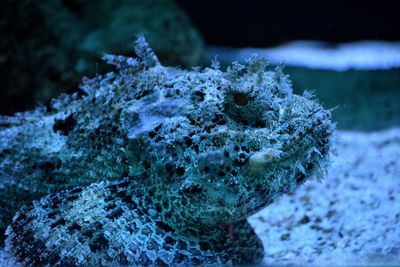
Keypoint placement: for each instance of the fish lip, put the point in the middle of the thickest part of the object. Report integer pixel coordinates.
(240, 210)
(271, 163)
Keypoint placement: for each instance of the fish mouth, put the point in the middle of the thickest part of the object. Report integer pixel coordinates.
(232, 207)
(249, 198)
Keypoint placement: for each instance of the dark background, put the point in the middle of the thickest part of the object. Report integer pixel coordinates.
(268, 23)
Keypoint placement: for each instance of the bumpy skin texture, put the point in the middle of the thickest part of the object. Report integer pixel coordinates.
(176, 160)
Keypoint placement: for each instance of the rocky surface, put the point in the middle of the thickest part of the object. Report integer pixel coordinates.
(47, 46)
(351, 218)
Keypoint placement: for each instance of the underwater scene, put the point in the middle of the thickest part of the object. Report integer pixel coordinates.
(199, 133)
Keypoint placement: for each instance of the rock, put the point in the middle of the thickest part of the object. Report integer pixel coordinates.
(47, 46)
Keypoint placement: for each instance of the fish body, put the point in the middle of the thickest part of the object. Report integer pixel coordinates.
(156, 165)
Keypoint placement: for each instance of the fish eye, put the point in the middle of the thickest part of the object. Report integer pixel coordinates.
(244, 108)
(240, 99)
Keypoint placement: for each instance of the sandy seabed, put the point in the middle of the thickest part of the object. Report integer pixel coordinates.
(351, 217)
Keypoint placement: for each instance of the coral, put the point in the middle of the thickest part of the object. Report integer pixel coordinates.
(157, 165)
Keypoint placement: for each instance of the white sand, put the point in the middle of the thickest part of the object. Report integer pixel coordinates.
(362, 55)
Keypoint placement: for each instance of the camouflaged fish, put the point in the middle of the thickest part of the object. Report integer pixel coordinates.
(155, 165)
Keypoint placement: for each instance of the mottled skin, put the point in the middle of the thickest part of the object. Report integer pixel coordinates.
(176, 160)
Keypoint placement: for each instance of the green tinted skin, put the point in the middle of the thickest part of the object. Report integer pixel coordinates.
(157, 165)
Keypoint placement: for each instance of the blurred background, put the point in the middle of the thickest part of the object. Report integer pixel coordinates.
(271, 23)
(349, 53)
